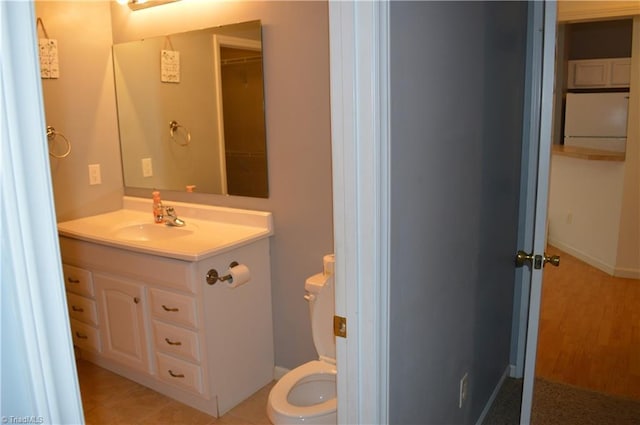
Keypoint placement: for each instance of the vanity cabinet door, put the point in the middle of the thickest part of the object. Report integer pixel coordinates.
(122, 321)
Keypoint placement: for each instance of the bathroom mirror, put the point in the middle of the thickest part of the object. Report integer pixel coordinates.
(191, 111)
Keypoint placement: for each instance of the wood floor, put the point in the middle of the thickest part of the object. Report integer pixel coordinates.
(110, 399)
(589, 334)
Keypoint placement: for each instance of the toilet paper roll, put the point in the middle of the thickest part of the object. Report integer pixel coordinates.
(240, 275)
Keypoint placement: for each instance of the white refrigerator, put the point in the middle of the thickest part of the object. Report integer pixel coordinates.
(596, 120)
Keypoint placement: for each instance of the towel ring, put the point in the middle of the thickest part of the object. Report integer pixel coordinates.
(51, 136)
(173, 129)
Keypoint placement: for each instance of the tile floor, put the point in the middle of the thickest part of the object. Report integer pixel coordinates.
(108, 398)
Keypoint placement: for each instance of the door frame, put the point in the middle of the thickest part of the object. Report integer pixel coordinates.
(358, 33)
(219, 41)
(359, 55)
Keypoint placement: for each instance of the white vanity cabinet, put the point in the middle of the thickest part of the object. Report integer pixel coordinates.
(161, 324)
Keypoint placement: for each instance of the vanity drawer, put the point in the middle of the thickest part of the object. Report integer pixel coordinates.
(138, 266)
(85, 336)
(180, 373)
(78, 280)
(173, 307)
(178, 341)
(82, 309)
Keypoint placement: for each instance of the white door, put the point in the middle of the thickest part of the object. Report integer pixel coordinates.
(541, 202)
(359, 35)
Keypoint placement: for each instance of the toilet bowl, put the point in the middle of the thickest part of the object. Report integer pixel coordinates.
(307, 394)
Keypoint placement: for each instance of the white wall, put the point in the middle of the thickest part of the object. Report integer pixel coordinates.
(585, 202)
(296, 68)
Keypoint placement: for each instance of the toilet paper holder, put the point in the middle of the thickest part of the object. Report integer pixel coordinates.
(213, 276)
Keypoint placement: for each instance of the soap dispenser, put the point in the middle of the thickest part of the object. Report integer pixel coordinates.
(158, 211)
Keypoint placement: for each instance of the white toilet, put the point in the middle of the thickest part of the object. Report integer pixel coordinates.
(307, 394)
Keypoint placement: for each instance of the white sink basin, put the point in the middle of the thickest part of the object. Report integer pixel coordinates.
(208, 230)
(152, 231)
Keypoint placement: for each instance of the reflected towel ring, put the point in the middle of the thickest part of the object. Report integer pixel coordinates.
(173, 129)
(51, 136)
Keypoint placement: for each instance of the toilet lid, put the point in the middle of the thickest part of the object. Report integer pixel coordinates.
(322, 321)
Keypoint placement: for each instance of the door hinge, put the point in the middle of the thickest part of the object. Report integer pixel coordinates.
(340, 326)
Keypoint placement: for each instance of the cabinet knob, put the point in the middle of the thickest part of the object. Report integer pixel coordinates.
(136, 300)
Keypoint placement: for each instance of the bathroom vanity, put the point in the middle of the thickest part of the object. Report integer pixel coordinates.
(140, 304)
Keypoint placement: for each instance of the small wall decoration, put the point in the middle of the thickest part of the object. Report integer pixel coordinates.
(48, 48)
(170, 66)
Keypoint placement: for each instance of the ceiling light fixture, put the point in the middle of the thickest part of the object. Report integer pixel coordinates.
(143, 4)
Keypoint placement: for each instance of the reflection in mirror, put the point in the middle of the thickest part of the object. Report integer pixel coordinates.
(191, 111)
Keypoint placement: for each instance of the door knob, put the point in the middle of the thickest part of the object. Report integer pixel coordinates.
(537, 261)
(522, 257)
(553, 259)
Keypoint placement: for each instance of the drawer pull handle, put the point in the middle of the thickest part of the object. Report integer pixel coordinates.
(176, 375)
(172, 342)
(169, 309)
(74, 308)
(81, 336)
(73, 280)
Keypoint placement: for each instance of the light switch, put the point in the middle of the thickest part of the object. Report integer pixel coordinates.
(94, 174)
(147, 167)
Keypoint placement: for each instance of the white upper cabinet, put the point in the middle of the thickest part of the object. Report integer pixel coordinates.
(620, 72)
(599, 73)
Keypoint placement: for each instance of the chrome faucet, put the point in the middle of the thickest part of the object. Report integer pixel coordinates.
(171, 219)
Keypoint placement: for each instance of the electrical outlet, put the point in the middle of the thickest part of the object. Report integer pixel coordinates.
(147, 167)
(94, 174)
(464, 389)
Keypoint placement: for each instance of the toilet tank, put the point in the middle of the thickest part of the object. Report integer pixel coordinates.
(321, 293)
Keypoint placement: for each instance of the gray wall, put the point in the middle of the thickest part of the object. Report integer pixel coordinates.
(81, 104)
(296, 60)
(457, 77)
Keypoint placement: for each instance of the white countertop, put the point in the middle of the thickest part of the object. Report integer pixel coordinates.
(208, 230)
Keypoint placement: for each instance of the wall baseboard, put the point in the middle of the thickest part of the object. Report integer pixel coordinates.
(627, 273)
(496, 390)
(279, 372)
(592, 261)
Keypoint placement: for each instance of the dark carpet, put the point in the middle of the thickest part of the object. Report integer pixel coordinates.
(559, 404)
